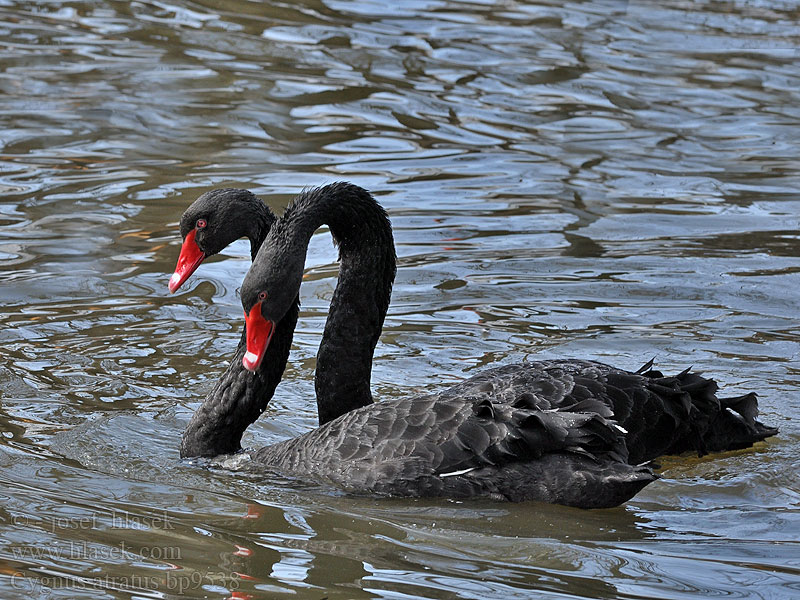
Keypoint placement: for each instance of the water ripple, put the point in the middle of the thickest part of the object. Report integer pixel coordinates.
(611, 180)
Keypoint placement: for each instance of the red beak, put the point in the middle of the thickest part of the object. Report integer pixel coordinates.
(259, 333)
(190, 258)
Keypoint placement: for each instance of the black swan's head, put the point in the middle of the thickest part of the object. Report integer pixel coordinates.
(268, 292)
(363, 233)
(214, 221)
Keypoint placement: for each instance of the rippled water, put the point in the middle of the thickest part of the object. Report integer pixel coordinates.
(609, 180)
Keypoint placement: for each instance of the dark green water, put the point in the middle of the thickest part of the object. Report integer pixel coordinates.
(608, 180)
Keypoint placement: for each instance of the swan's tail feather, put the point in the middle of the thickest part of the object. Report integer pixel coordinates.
(735, 426)
(714, 424)
(746, 406)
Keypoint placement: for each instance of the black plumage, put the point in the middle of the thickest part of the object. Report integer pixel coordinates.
(567, 431)
(344, 361)
(239, 397)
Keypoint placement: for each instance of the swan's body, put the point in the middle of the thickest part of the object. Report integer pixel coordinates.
(570, 431)
(564, 431)
(472, 440)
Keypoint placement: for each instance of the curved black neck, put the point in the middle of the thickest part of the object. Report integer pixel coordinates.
(239, 397)
(257, 235)
(254, 223)
(362, 231)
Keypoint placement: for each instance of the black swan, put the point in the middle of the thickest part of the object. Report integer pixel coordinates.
(344, 361)
(568, 431)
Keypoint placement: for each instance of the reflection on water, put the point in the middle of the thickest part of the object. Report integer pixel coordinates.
(612, 180)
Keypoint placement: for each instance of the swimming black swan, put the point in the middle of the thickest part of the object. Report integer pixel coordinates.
(568, 431)
(344, 360)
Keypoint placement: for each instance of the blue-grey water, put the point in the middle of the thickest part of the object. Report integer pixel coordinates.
(604, 179)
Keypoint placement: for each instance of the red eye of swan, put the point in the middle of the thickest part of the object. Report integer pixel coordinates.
(201, 223)
(262, 296)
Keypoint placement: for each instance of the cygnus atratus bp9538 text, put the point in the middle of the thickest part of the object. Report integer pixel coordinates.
(567, 431)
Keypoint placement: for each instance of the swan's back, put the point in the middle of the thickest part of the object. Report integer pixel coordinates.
(653, 410)
(660, 414)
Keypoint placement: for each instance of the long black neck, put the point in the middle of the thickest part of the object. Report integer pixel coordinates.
(239, 397)
(361, 229)
(253, 221)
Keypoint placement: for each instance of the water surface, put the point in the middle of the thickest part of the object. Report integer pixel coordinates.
(607, 180)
